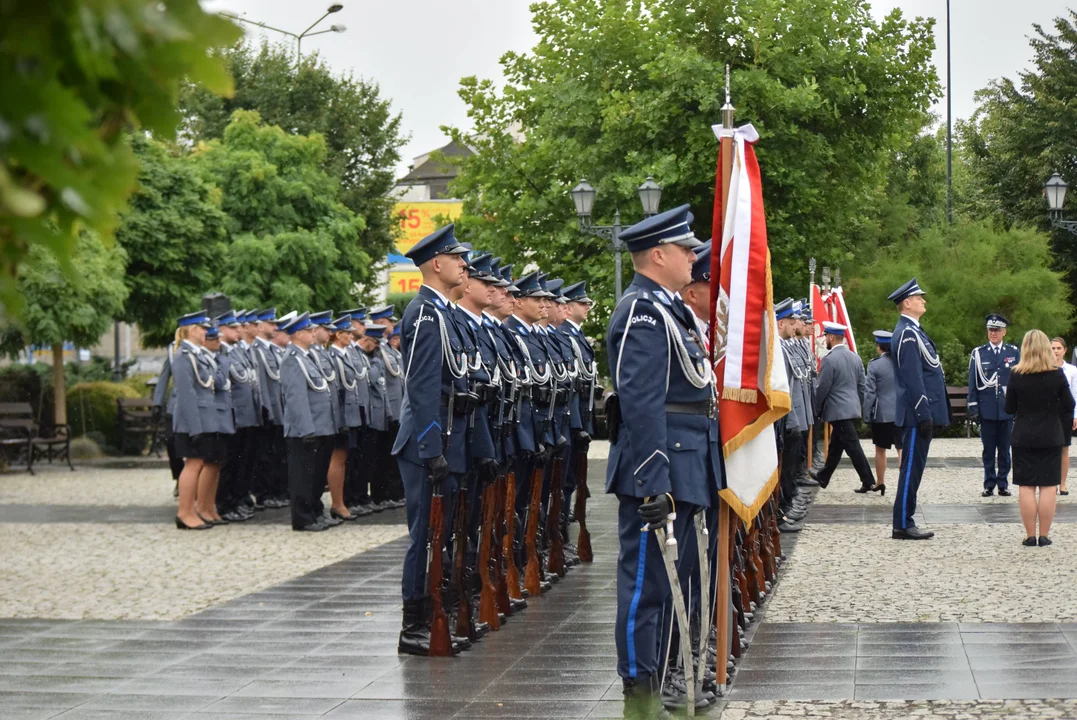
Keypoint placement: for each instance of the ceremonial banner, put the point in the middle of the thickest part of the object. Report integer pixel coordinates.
(836, 304)
(750, 374)
(820, 313)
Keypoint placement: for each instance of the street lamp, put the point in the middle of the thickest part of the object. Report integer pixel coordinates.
(583, 197)
(1055, 191)
(334, 8)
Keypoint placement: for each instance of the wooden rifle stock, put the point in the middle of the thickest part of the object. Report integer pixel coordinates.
(501, 594)
(583, 543)
(465, 624)
(488, 593)
(775, 533)
(556, 562)
(440, 639)
(512, 572)
(533, 569)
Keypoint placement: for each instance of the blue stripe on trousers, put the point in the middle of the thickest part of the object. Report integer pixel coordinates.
(631, 632)
(908, 476)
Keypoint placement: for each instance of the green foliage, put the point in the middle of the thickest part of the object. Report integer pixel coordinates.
(174, 236)
(91, 407)
(361, 133)
(968, 270)
(73, 75)
(399, 301)
(624, 89)
(293, 243)
(30, 384)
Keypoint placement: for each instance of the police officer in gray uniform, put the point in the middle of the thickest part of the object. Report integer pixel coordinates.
(358, 469)
(880, 406)
(797, 421)
(271, 465)
(380, 419)
(394, 396)
(308, 425)
(350, 377)
(236, 475)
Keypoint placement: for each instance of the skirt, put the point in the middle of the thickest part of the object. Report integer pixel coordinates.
(886, 435)
(207, 447)
(1037, 467)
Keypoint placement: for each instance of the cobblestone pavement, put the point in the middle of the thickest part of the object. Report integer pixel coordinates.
(967, 573)
(919, 709)
(87, 486)
(141, 571)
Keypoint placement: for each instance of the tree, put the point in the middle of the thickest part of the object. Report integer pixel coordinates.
(293, 244)
(60, 308)
(968, 270)
(630, 88)
(174, 235)
(73, 76)
(361, 132)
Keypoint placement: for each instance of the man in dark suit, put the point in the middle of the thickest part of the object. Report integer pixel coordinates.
(921, 403)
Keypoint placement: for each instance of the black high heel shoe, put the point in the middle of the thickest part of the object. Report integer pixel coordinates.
(881, 489)
(345, 518)
(180, 525)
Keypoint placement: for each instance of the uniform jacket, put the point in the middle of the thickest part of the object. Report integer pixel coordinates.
(379, 397)
(161, 391)
(502, 410)
(840, 385)
(329, 372)
(921, 386)
(562, 348)
(349, 382)
(222, 392)
(880, 391)
(524, 412)
(798, 418)
(394, 379)
(362, 365)
(428, 381)
(658, 451)
(1042, 403)
(268, 364)
(482, 435)
(194, 376)
(536, 363)
(989, 376)
(583, 356)
(308, 402)
(244, 379)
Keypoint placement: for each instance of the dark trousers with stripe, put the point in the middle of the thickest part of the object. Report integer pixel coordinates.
(913, 460)
(271, 465)
(995, 436)
(418, 492)
(305, 461)
(644, 607)
(236, 475)
(357, 470)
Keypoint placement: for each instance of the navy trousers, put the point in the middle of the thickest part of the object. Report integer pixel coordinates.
(644, 608)
(995, 436)
(417, 494)
(913, 459)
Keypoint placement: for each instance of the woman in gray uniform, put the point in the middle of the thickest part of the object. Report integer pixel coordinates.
(197, 422)
(378, 422)
(880, 406)
(349, 378)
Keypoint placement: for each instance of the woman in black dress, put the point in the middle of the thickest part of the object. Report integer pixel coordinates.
(1039, 397)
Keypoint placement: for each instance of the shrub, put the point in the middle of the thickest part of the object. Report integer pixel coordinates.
(91, 407)
(138, 383)
(399, 301)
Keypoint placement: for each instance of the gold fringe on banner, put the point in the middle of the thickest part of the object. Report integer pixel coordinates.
(744, 395)
(746, 513)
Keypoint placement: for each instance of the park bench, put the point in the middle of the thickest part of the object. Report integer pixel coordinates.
(958, 395)
(138, 419)
(21, 433)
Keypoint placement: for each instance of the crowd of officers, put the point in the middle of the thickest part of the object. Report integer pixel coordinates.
(266, 412)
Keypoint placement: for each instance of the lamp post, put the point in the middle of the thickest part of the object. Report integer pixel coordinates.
(583, 196)
(334, 8)
(1055, 191)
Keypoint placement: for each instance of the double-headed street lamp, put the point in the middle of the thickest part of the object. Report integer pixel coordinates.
(583, 195)
(334, 8)
(1055, 191)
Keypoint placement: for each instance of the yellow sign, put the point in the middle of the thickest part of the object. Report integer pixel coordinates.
(417, 220)
(405, 281)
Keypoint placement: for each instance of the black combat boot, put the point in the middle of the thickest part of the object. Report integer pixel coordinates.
(415, 632)
(643, 699)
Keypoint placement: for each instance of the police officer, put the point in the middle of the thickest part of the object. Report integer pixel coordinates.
(394, 396)
(360, 459)
(429, 446)
(880, 405)
(921, 404)
(309, 425)
(577, 306)
(796, 422)
(379, 419)
(322, 322)
(664, 449)
(272, 463)
(351, 408)
(237, 473)
(989, 375)
(838, 391)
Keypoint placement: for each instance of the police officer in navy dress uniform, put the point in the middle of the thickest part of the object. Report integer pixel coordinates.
(989, 375)
(429, 446)
(577, 306)
(922, 404)
(664, 442)
(309, 425)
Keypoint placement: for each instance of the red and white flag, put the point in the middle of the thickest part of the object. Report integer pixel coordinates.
(820, 313)
(836, 304)
(750, 373)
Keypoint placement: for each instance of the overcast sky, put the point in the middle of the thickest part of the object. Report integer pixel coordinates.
(418, 50)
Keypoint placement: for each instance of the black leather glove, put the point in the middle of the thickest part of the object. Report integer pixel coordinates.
(926, 426)
(487, 470)
(439, 468)
(654, 513)
(561, 441)
(581, 439)
(540, 452)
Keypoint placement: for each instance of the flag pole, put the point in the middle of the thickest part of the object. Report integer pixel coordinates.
(811, 296)
(725, 526)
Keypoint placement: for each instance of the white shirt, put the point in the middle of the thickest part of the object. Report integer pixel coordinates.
(443, 298)
(1071, 378)
(913, 320)
(526, 326)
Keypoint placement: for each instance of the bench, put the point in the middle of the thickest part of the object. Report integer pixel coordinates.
(19, 431)
(138, 420)
(958, 396)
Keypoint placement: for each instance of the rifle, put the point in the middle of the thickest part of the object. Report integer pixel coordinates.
(512, 572)
(504, 606)
(583, 543)
(440, 640)
(488, 594)
(465, 622)
(556, 562)
(533, 569)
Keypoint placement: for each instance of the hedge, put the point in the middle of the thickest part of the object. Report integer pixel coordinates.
(91, 407)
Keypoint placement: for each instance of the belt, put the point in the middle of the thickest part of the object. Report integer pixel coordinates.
(703, 407)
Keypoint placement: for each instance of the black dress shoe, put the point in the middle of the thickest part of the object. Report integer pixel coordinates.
(180, 525)
(807, 482)
(1063, 492)
(864, 489)
(518, 605)
(1044, 541)
(360, 510)
(235, 516)
(912, 533)
(814, 475)
(313, 527)
(1005, 493)
(1029, 542)
(988, 493)
(789, 527)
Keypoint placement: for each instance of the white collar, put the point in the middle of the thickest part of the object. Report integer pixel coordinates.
(574, 325)
(996, 348)
(194, 347)
(491, 317)
(472, 315)
(443, 298)
(526, 326)
(913, 320)
(244, 344)
(263, 341)
(340, 350)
